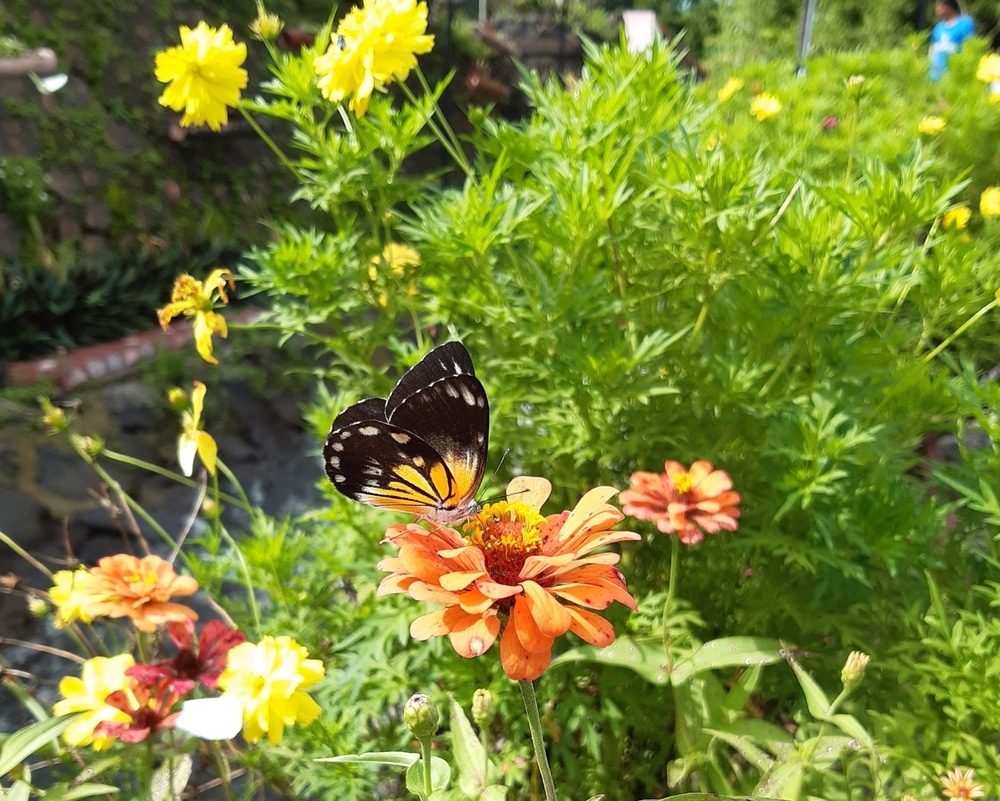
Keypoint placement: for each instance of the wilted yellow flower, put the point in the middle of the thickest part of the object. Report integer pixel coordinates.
(730, 88)
(765, 106)
(269, 680)
(99, 677)
(193, 440)
(197, 299)
(932, 125)
(956, 218)
(203, 75)
(989, 68)
(373, 46)
(989, 202)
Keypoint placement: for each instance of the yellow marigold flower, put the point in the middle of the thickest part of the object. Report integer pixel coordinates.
(193, 440)
(989, 202)
(932, 125)
(989, 68)
(373, 46)
(730, 88)
(197, 299)
(99, 677)
(399, 258)
(203, 75)
(765, 106)
(269, 680)
(72, 592)
(956, 218)
(139, 589)
(959, 786)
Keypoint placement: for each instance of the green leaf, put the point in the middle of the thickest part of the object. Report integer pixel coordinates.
(470, 757)
(646, 660)
(171, 778)
(440, 777)
(19, 791)
(25, 742)
(785, 781)
(819, 704)
(714, 797)
(494, 792)
(67, 792)
(850, 726)
(400, 759)
(728, 652)
(755, 756)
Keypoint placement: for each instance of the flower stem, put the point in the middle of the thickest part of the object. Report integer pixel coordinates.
(963, 327)
(449, 143)
(425, 761)
(535, 725)
(269, 142)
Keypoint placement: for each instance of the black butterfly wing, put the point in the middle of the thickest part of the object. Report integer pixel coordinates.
(423, 449)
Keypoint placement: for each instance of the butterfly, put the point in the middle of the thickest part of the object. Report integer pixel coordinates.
(422, 450)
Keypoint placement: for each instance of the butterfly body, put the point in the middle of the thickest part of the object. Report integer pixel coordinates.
(421, 450)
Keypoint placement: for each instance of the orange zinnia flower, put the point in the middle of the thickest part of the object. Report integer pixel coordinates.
(140, 589)
(681, 500)
(514, 569)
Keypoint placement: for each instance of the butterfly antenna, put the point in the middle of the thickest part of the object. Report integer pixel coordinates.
(491, 479)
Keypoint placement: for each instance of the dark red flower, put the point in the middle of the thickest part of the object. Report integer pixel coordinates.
(148, 708)
(190, 666)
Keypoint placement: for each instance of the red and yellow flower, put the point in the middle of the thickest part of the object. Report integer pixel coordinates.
(682, 501)
(534, 577)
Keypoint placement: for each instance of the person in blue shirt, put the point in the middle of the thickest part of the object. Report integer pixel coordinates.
(948, 35)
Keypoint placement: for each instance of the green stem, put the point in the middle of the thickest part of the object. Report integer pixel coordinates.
(244, 567)
(180, 479)
(425, 761)
(27, 557)
(675, 553)
(222, 768)
(963, 327)
(268, 141)
(535, 725)
(454, 151)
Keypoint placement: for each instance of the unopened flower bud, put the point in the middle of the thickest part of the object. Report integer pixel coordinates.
(421, 716)
(854, 670)
(179, 400)
(482, 708)
(88, 447)
(37, 607)
(53, 417)
(267, 26)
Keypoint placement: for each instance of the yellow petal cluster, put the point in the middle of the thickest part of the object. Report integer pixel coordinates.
(269, 679)
(203, 75)
(765, 106)
(71, 593)
(989, 202)
(99, 677)
(730, 88)
(956, 218)
(373, 46)
(932, 125)
(989, 68)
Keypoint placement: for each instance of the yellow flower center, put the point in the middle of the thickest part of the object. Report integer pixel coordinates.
(683, 483)
(507, 534)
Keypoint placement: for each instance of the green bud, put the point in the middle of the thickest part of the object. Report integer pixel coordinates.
(53, 417)
(482, 708)
(421, 716)
(37, 607)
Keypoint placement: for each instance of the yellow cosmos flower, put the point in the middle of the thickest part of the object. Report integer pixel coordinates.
(956, 218)
(398, 258)
(372, 47)
(193, 440)
(269, 680)
(99, 677)
(730, 88)
(765, 106)
(266, 27)
(959, 785)
(932, 126)
(203, 75)
(72, 593)
(197, 299)
(989, 202)
(989, 68)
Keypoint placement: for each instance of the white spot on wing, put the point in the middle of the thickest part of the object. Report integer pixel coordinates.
(450, 391)
(400, 437)
(336, 446)
(339, 479)
(370, 431)
(468, 397)
(334, 462)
